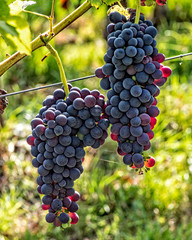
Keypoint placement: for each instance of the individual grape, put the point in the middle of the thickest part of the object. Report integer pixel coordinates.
(58, 130)
(88, 140)
(150, 163)
(119, 53)
(126, 147)
(64, 218)
(151, 31)
(35, 163)
(132, 112)
(131, 51)
(61, 106)
(127, 159)
(159, 58)
(142, 77)
(78, 103)
(74, 218)
(48, 164)
(137, 148)
(136, 91)
(123, 106)
(59, 94)
(73, 207)
(40, 129)
(56, 204)
(35, 122)
(46, 189)
(135, 122)
(127, 34)
(166, 71)
(127, 61)
(61, 160)
(108, 69)
(90, 101)
(47, 199)
(137, 158)
(75, 197)
(143, 139)
(74, 174)
(30, 140)
(153, 111)
(105, 84)
(136, 131)
(118, 43)
(115, 17)
(50, 217)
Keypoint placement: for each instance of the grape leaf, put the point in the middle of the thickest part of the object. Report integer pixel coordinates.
(4, 9)
(109, 2)
(96, 3)
(20, 42)
(18, 6)
(7, 28)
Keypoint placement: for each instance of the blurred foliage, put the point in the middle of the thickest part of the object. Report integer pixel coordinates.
(115, 203)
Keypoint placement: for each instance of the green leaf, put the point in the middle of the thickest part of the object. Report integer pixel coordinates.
(21, 40)
(109, 2)
(4, 9)
(96, 3)
(7, 28)
(18, 6)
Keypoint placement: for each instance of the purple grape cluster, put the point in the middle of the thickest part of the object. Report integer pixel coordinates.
(129, 75)
(60, 132)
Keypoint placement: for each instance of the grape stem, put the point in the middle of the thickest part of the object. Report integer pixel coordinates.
(51, 18)
(55, 54)
(138, 11)
(37, 42)
(35, 13)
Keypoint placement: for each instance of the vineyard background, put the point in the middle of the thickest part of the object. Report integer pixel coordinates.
(115, 203)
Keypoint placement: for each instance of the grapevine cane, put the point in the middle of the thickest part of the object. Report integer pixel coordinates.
(37, 42)
(60, 66)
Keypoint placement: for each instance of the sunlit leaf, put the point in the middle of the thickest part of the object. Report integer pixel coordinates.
(96, 3)
(7, 28)
(19, 35)
(109, 2)
(18, 6)
(4, 9)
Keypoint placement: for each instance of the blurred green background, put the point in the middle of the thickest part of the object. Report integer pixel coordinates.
(116, 203)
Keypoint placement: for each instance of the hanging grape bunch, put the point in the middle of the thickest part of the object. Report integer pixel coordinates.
(3, 101)
(60, 132)
(132, 74)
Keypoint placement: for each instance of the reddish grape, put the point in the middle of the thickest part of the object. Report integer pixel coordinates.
(150, 163)
(166, 71)
(56, 222)
(114, 137)
(30, 140)
(74, 218)
(45, 207)
(159, 58)
(150, 134)
(161, 2)
(49, 115)
(120, 152)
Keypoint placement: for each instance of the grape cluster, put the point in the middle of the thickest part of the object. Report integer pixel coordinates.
(132, 74)
(60, 132)
(149, 3)
(3, 101)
